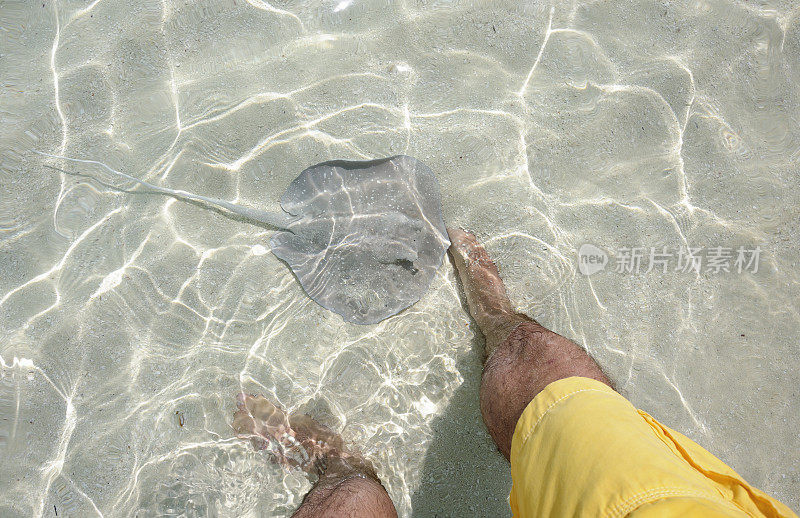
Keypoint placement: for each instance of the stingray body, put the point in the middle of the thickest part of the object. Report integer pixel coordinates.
(364, 239)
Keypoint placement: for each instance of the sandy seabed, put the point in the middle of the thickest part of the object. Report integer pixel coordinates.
(129, 322)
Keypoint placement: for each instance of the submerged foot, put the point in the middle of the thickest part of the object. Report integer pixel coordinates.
(486, 294)
(295, 440)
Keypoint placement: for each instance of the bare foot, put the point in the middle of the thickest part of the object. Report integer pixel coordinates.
(296, 440)
(486, 294)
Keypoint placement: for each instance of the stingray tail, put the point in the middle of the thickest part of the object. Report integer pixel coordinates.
(273, 219)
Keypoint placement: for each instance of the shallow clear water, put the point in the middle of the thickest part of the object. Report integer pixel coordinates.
(129, 322)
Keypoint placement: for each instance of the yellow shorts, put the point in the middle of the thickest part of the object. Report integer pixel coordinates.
(581, 449)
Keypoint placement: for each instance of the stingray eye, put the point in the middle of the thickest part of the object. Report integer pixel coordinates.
(406, 265)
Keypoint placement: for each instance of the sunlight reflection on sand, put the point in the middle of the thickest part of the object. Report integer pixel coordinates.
(547, 127)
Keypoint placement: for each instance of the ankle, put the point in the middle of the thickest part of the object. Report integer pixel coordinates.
(354, 495)
(341, 468)
(504, 328)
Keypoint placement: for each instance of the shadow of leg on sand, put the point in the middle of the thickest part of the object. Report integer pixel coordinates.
(463, 473)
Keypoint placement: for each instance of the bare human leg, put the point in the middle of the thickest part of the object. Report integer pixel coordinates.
(522, 357)
(347, 485)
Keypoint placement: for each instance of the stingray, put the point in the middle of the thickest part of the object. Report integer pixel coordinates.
(364, 238)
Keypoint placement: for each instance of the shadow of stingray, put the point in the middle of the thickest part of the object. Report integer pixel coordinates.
(463, 473)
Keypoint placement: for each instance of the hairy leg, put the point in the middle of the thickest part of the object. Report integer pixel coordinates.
(522, 357)
(347, 485)
(347, 491)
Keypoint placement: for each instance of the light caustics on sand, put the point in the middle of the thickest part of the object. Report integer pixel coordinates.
(547, 127)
